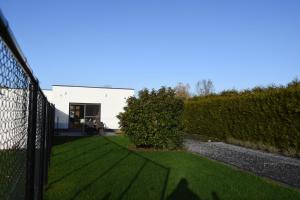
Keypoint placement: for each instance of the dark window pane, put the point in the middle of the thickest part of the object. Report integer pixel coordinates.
(92, 110)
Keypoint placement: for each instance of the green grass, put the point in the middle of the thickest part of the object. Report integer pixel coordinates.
(103, 168)
(12, 173)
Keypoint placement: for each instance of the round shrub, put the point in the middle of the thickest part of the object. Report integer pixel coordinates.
(153, 118)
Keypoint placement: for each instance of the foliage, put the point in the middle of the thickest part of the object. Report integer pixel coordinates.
(266, 116)
(204, 87)
(294, 83)
(153, 119)
(182, 91)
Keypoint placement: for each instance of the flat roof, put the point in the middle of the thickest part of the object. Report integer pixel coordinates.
(93, 87)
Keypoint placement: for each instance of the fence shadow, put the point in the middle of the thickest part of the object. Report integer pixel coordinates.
(146, 161)
(76, 156)
(99, 177)
(133, 180)
(78, 169)
(112, 163)
(60, 140)
(143, 176)
(71, 143)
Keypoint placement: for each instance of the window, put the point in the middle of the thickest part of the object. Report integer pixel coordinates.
(92, 110)
(81, 114)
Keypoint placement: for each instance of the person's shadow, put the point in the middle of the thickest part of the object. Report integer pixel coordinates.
(182, 192)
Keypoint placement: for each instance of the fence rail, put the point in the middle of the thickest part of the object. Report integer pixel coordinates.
(26, 124)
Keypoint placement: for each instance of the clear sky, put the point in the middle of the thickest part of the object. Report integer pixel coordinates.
(149, 43)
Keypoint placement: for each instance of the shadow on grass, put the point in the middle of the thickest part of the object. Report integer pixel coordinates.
(100, 176)
(215, 196)
(12, 172)
(166, 178)
(59, 140)
(78, 169)
(149, 177)
(133, 180)
(182, 191)
(107, 196)
(69, 150)
(76, 156)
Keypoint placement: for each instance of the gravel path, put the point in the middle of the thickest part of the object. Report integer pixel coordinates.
(280, 168)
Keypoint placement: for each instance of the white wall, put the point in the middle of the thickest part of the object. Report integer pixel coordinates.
(48, 94)
(112, 102)
(13, 118)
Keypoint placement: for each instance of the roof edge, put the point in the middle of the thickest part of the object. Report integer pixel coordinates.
(94, 87)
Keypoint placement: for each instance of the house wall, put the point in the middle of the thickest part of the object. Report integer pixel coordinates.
(48, 94)
(112, 102)
(13, 118)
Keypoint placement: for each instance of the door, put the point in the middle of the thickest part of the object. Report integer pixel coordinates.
(76, 116)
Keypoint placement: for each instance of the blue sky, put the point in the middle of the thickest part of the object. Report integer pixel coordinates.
(150, 43)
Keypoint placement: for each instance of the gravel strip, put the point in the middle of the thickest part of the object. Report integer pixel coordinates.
(277, 167)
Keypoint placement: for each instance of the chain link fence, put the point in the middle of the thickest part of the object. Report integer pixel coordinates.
(26, 124)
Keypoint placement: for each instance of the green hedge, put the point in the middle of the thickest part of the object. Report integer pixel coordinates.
(269, 117)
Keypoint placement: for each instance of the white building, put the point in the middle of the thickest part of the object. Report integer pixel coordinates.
(77, 105)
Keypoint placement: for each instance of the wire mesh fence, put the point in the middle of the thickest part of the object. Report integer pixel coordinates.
(26, 125)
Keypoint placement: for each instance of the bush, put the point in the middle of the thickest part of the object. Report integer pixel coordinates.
(153, 119)
(268, 117)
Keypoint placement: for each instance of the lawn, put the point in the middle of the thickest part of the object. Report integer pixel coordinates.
(12, 173)
(103, 168)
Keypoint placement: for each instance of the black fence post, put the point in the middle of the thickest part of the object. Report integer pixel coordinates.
(42, 148)
(47, 133)
(52, 125)
(30, 165)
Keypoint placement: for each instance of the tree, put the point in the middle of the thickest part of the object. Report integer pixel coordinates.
(182, 90)
(295, 82)
(153, 119)
(204, 87)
